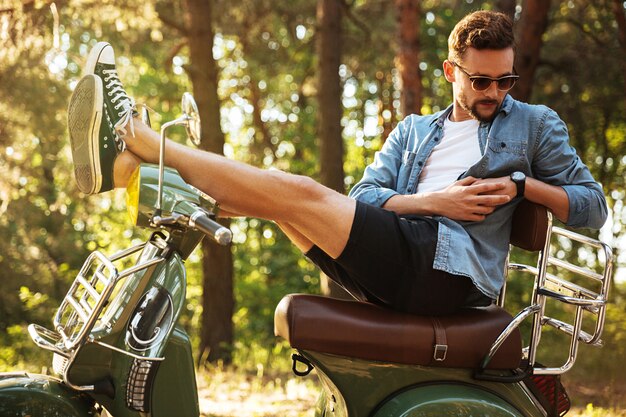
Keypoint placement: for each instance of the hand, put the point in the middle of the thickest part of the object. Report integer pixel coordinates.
(472, 199)
(509, 189)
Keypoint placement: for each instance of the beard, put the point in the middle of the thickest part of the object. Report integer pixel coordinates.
(473, 108)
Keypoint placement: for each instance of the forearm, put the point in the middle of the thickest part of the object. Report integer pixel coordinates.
(417, 204)
(553, 197)
(465, 199)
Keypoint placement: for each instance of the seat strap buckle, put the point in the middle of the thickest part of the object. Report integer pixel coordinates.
(440, 350)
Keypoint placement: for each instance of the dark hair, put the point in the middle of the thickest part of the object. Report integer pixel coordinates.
(483, 29)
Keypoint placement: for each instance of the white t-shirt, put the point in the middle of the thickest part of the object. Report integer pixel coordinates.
(453, 155)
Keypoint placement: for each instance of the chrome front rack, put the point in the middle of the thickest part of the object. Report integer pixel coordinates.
(85, 301)
(563, 286)
(81, 307)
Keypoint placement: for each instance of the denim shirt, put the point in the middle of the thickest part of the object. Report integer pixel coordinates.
(522, 137)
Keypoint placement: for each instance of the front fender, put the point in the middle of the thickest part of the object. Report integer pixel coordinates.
(24, 394)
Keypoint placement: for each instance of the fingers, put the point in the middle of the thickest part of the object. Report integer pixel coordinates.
(484, 210)
(492, 200)
(466, 181)
(487, 187)
(482, 206)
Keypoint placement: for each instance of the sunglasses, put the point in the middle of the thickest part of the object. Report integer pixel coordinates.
(481, 82)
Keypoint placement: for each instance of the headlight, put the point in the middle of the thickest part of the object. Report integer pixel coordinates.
(132, 195)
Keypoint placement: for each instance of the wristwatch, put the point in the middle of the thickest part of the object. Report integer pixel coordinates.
(519, 178)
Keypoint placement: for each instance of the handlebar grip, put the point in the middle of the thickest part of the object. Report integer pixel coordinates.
(202, 222)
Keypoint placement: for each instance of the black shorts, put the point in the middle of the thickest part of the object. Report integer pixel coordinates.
(388, 261)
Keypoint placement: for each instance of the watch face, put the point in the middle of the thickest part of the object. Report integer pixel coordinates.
(518, 176)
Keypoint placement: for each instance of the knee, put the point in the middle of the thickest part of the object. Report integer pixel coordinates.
(307, 187)
(125, 164)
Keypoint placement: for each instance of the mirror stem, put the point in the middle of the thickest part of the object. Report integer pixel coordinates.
(179, 121)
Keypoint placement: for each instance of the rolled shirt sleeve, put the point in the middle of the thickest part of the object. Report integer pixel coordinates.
(380, 178)
(556, 162)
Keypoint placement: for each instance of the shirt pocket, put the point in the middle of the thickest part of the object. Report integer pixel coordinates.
(507, 155)
(406, 168)
(408, 158)
(515, 147)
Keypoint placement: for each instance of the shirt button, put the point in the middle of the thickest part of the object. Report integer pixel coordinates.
(420, 163)
(502, 145)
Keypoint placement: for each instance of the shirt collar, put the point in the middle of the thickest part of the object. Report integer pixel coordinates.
(441, 116)
(507, 104)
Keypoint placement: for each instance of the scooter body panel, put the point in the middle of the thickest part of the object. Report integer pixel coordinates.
(442, 399)
(175, 392)
(134, 380)
(357, 388)
(141, 321)
(24, 394)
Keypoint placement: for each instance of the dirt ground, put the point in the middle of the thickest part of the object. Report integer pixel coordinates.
(597, 399)
(227, 393)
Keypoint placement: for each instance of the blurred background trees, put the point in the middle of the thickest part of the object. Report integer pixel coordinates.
(308, 87)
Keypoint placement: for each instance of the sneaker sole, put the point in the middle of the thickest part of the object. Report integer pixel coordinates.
(84, 118)
(94, 56)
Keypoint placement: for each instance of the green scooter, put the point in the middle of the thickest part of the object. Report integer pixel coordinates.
(118, 350)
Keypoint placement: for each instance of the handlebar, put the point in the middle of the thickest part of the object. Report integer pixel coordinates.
(199, 220)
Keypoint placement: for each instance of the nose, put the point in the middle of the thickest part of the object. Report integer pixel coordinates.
(492, 91)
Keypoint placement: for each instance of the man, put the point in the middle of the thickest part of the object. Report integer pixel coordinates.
(427, 228)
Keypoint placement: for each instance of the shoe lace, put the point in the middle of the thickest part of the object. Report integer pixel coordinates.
(119, 142)
(124, 105)
(120, 145)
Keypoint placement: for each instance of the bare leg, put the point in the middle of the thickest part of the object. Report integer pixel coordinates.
(296, 237)
(127, 162)
(312, 212)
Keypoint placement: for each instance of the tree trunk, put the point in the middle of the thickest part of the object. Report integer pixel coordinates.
(216, 333)
(329, 51)
(407, 58)
(507, 7)
(620, 18)
(530, 30)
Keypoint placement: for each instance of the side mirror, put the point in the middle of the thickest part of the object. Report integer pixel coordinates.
(190, 112)
(191, 120)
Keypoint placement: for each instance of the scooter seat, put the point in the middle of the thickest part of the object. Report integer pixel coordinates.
(366, 331)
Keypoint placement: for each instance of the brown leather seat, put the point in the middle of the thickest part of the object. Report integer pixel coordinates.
(366, 331)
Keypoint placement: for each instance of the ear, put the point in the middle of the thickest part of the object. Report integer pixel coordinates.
(448, 71)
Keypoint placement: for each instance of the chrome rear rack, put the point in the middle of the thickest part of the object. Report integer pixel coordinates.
(558, 280)
(589, 295)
